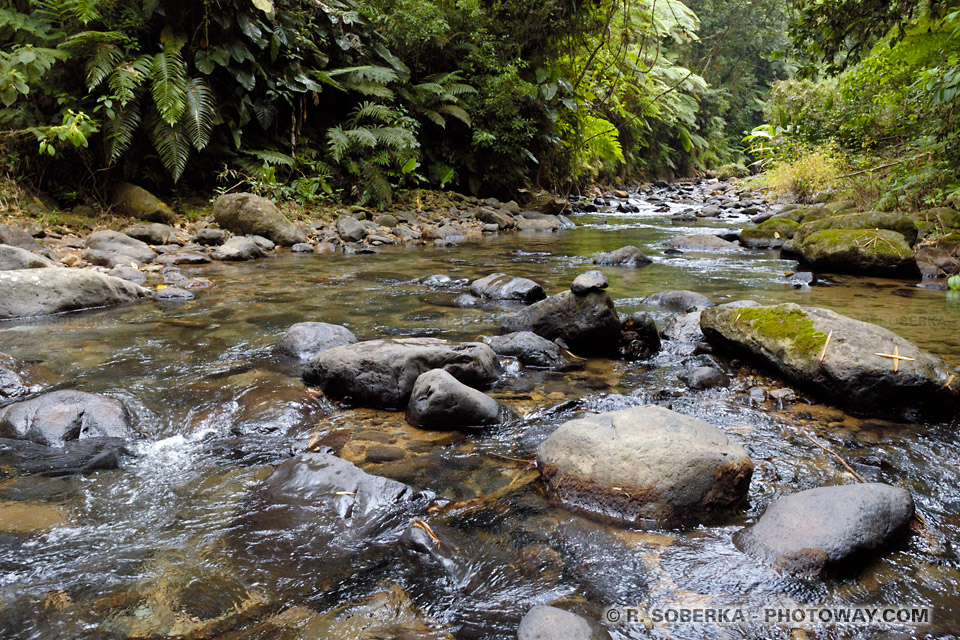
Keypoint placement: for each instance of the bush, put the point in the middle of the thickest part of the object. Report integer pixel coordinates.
(735, 170)
(805, 175)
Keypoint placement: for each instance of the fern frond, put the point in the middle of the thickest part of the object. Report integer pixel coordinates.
(88, 39)
(338, 143)
(362, 136)
(120, 131)
(199, 113)
(435, 118)
(272, 158)
(127, 78)
(169, 75)
(374, 111)
(102, 64)
(172, 145)
(373, 89)
(454, 111)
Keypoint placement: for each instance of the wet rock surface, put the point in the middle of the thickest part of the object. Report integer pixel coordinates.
(588, 324)
(628, 256)
(58, 417)
(35, 292)
(499, 286)
(550, 623)
(440, 401)
(529, 349)
(248, 214)
(305, 340)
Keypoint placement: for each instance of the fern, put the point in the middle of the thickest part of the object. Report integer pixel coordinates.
(172, 145)
(127, 78)
(120, 131)
(198, 113)
(169, 88)
(102, 64)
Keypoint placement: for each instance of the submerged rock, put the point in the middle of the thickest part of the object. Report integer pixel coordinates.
(872, 252)
(306, 340)
(249, 214)
(550, 623)
(381, 373)
(628, 256)
(529, 349)
(62, 416)
(440, 401)
(646, 464)
(854, 370)
(804, 533)
(35, 292)
(499, 286)
(71, 458)
(588, 324)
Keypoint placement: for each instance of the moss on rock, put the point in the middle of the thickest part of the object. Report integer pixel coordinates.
(868, 251)
(788, 325)
(888, 220)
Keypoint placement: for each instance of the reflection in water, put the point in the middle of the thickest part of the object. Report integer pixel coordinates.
(146, 550)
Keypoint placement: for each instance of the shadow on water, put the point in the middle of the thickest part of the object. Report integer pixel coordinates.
(149, 550)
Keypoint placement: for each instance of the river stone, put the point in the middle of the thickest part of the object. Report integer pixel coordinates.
(61, 416)
(768, 235)
(440, 401)
(11, 385)
(126, 272)
(318, 515)
(871, 252)
(350, 230)
(701, 242)
(529, 349)
(382, 373)
(700, 378)
(15, 236)
(589, 281)
(212, 237)
(249, 214)
(16, 258)
(136, 202)
(683, 328)
(639, 338)
(37, 292)
(588, 324)
(804, 533)
(306, 340)
(628, 256)
(71, 458)
(499, 218)
(645, 464)
(173, 294)
(682, 300)
(151, 233)
(544, 622)
(118, 243)
(238, 249)
(499, 286)
(790, 339)
(889, 220)
(109, 259)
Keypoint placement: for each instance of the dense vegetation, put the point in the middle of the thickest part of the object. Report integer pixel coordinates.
(349, 101)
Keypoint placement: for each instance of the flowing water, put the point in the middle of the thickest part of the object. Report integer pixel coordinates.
(145, 551)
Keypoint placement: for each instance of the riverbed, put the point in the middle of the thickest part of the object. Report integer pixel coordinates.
(146, 550)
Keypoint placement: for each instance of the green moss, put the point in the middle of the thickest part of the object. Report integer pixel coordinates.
(782, 226)
(867, 220)
(866, 242)
(785, 324)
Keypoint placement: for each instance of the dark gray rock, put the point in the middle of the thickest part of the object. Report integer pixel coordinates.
(550, 623)
(155, 233)
(499, 218)
(61, 416)
(853, 372)
(305, 340)
(700, 378)
(440, 401)
(35, 292)
(12, 385)
(350, 229)
(499, 286)
(684, 328)
(639, 338)
(301, 247)
(249, 214)
(588, 324)
(212, 237)
(645, 464)
(15, 236)
(173, 294)
(805, 533)
(529, 349)
(589, 281)
(121, 244)
(16, 258)
(238, 249)
(381, 373)
(681, 300)
(628, 256)
(72, 458)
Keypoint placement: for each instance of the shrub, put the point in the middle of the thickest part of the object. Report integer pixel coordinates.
(808, 173)
(735, 170)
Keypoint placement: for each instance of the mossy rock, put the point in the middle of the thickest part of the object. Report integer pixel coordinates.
(770, 234)
(841, 206)
(834, 357)
(813, 214)
(793, 213)
(866, 220)
(864, 251)
(728, 171)
(136, 202)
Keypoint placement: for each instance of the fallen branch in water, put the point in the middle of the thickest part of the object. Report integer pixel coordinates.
(835, 455)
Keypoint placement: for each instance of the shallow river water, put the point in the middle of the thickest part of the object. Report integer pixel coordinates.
(145, 551)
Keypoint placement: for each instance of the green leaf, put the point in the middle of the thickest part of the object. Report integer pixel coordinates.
(264, 5)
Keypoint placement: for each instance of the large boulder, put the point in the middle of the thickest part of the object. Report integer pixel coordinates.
(249, 214)
(136, 202)
(680, 300)
(440, 401)
(15, 236)
(544, 622)
(588, 324)
(238, 249)
(305, 340)
(529, 349)
(499, 286)
(317, 515)
(854, 369)
(703, 242)
(382, 373)
(17, 258)
(63, 416)
(864, 251)
(645, 465)
(120, 244)
(628, 256)
(768, 235)
(805, 533)
(889, 220)
(350, 229)
(36, 292)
